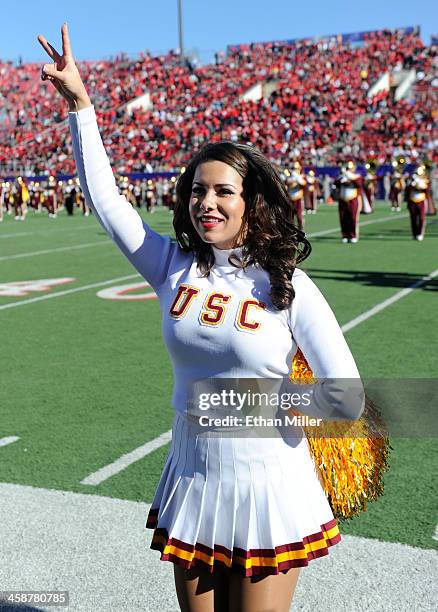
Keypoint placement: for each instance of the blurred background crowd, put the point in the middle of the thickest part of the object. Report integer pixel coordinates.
(318, 101)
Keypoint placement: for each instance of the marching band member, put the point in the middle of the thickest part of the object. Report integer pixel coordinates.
(172, 194)
(310, 192)
(416, 197)
(124, 189)
(60, 195)
(5, 188)
(166, 194)
(37, 196)
(349, 184)
(369, 186)
(398, 184)
(21, 198)
(7, 203)
(49, 198)
(2, 198)
(33, 199)
(138, 193)
(296, 183)
(150, 196)
(431, 209)
(70, 197)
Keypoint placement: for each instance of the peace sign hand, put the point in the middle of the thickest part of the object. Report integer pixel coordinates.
(64, 74)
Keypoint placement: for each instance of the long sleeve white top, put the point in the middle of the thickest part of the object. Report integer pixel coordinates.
(222, 326)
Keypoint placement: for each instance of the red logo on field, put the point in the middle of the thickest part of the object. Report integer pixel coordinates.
(22, 288)
(124, 292)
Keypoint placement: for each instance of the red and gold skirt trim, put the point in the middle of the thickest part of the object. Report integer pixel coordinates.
(260, 561)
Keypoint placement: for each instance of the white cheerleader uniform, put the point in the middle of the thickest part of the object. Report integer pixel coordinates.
(251, 504)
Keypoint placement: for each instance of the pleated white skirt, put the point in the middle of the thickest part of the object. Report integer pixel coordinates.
(250, 504)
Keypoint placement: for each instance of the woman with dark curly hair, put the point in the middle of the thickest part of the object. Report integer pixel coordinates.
(261, 225)
(237, 516)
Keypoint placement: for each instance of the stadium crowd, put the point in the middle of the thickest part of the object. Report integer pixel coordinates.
(318, 110)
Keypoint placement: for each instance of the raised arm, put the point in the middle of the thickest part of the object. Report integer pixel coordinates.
(150, 252)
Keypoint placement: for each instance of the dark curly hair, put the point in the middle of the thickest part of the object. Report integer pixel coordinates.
(270, 238)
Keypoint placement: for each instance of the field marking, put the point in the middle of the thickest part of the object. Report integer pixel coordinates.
(361, 224)
(126, 460)
(67, 292)
(8, 440)
(57, 250)
(388, 302)
(15, 235)
(51, 231)
(94, 226)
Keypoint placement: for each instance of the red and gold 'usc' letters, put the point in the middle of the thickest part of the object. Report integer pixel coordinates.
(215, 307)
(182, 301)
(213, 313)
(242, 315)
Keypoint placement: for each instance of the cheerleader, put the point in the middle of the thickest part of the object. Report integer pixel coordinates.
(238, 517)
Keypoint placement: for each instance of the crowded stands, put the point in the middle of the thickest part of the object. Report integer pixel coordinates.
(318, 110)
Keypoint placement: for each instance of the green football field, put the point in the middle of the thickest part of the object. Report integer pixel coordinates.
(87, 379)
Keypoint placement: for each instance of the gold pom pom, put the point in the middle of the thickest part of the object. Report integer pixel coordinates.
(351, 468)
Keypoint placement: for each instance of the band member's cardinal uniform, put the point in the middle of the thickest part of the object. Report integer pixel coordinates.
(3, 188)
(49, 199)
(349, 185)
(417, 199)
(398, 184)
(21, 198)
(295, 186)
(310, 192)
(369, 187)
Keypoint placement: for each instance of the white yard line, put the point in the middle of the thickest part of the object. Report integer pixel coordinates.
(53, 231)
(126, 460)
(58, 250)
(67, 292)
(435, 535)
(388, 302)
(361, 224)
(15, 235)
(8, 440)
